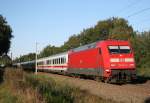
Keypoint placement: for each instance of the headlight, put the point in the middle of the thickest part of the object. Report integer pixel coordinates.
(114, 60)
(129, 60)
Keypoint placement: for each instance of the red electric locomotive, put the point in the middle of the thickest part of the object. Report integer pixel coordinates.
(109, 60)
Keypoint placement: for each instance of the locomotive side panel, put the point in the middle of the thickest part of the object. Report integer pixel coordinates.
(88, 62)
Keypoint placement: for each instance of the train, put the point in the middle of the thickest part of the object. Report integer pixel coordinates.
(106, 60)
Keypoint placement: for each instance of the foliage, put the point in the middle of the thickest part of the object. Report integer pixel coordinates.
(5, 36)
(5, 60)
(73, 42)
(143, 72)
(141, 47)
(27, 57)
(49, 50)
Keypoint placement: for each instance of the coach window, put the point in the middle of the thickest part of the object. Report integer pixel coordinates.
(53, 61)
(61, 60)
(39, 63)
(47, 62)
(58, 60)
(64, 60)
(42, 63)
(50, 61)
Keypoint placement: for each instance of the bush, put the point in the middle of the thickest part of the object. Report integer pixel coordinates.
(143, 72)
(50, 91)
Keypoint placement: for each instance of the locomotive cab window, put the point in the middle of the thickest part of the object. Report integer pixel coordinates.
(119, 49)
(124, 49)
(113, 49)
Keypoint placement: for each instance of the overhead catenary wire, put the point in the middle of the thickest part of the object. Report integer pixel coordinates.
(138, 12)
(129, 6)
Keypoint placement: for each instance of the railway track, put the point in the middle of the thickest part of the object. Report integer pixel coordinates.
(128, 93)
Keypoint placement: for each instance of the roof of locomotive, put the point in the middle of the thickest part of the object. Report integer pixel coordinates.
(93, 45)
(116, 42)
(81, 48)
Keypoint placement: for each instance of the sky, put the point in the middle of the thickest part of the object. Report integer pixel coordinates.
(52, 22)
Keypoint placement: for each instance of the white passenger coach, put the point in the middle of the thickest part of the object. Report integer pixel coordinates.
(58, 62)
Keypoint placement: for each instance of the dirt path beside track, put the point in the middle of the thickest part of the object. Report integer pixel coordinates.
(128, 93)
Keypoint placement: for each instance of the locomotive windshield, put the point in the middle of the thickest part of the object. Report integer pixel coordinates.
(124, 49)
(119, 49)
(113, 49)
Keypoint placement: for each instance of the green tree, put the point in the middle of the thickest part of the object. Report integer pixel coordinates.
(5, 36)
(5, 60)
(23, 58)
(49, 50)
(113, 28)
(120, 29)
(72, 42)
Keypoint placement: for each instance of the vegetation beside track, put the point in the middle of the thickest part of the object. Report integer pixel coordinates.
(21, 87)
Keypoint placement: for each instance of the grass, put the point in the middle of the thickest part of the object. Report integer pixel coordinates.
(14, 90)
(6, 96)
(21, 87)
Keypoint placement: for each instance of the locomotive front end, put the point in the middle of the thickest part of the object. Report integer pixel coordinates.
(121, 63)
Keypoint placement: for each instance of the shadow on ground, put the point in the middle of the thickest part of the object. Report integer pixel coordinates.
(147, 100)
(1, 75)
(141, 80)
